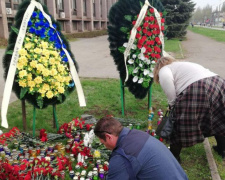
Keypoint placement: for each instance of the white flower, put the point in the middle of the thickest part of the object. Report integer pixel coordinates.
(125, 44)
(141, 65)
(151, 75)
(153, 62)
(143, 49)
(141, 56)
(146, 72)
(135, 70)
(140, 81)
(135, 79)
(134, 56)
(147, 61)
(130, 61)
(133, 46)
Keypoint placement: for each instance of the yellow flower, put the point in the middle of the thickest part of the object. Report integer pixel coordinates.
(97, 154)
(28, 45)
(37, 50)
(46, 87)
(38, 80)
(46, 52)
(44, 44)
(57, 84)
(33, 64)
(45, 72)
(52, 60)
(42, 91)
(35, 56)
(27, 39)
(61, 90)
(40, 67)
(22, 73)
(22, 83)
(31, 84)
(53, 72)
(61, 68)
(49, 94)
(19, 65)
(29, 77)
(23, 52)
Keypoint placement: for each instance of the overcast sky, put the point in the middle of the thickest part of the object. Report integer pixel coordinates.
(203, 3)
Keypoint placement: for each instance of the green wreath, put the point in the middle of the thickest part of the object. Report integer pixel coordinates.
(42, 76)
(146, 48)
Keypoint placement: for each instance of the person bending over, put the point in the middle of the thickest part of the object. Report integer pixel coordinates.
(198, 96)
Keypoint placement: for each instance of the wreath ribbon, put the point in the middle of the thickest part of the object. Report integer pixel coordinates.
(134, 32)
(15, 56)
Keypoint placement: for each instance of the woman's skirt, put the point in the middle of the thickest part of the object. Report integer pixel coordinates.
(200, 112)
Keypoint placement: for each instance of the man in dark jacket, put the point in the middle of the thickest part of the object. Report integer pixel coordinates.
(136, 154)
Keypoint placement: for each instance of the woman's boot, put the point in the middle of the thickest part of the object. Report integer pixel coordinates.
(220, 148)
(175, 150)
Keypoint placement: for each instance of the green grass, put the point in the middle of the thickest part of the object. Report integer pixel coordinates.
(173, 46)
(218, 35)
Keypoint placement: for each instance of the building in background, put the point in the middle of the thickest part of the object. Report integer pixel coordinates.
(73, 15)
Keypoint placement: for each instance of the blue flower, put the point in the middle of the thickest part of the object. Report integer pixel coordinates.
(30, 23)
(64, 45)
(32, 30)
(58, 45)
(51, 32)
(62, 53)
(51, 38)
(41, 23)
(42, 35)
(65, 59)
(41, 17)
(46, 25)
(34, 14)
(37, 24)
(54, 25)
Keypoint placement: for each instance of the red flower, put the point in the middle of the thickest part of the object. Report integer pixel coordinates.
(134, 22)
(151, 10)
(144, 31)
(43, 135)
(151, 18)
(151, 26)
(157, 56)
(149, 33)
(162, 28)
(162, 20)
(139, 29)
(138, 35)
(146, 18)
(88, 127)
(145, 24)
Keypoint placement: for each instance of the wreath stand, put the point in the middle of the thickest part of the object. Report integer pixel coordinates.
(55, 120)
(122, 95)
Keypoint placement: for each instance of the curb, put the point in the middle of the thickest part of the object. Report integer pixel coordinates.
(212, 165)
